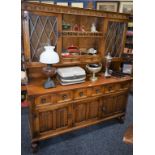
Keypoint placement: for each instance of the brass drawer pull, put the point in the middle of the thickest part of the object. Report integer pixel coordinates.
(104, 109)
(81, 94)
(97, 91)
(110, 88)
(64, 97)
(43, 100)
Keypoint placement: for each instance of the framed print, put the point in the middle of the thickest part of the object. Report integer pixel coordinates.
(77, 4)
(48, 2)
(33, 1)
(62, 3)
(107, 6)
(126, 7)
(127, 68)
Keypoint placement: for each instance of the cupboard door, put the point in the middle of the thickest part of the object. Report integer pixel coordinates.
(40, 30)
(54, 118)
(113, 104)
(115, 36)
(85, 111)
(121, 101)
(108, 105)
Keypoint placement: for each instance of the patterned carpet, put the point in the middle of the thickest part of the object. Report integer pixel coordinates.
(101, 139)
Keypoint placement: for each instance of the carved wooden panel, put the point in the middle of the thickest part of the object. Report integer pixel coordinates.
(93, 109)
(121, 101)
(80, 112)
(85, 111)
(46, 121)
(108, 105)
(75, 11)
(55, 119)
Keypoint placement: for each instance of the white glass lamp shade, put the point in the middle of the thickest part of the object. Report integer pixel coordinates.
(49, 56)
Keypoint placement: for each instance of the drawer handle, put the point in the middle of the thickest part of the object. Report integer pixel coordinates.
(110, 88)
(64, 97)
(43, 100)
(97, 91)
(104, 109)
(81, 94)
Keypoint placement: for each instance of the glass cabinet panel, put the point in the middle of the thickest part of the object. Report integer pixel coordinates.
(43, 30)
(114, 38)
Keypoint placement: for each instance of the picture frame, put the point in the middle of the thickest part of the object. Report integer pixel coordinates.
(42, 1)
(62, 3)
(77, 4)
(126, 7)
(127, 68)
(107, 6)
(47, 2)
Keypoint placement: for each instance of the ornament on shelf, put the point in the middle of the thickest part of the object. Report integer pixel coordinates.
(76, 27)
(93, 28)
(92, 51)
(82, 28)
(94, 68)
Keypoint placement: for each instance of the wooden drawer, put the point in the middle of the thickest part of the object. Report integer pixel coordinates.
(45, 99)
(98, 90)
(122, 86)
(64, 96)
(110, 88)
(80, 93)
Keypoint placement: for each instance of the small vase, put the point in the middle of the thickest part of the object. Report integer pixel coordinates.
(93, 28)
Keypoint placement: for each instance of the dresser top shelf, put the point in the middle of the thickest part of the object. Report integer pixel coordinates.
(35, 87)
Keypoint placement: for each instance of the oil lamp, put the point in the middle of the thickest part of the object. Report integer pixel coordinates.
(49, 57)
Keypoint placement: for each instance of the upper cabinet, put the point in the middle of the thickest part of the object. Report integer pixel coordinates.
(115, 36)
(80, 36)
(40, 30)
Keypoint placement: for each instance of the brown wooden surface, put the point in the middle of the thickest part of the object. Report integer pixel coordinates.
(128, 136)
(72, 16)
(35, 87)
(66, 108)
(73, 11)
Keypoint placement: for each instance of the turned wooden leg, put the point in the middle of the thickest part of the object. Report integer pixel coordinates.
(121, 119)
(34, 147)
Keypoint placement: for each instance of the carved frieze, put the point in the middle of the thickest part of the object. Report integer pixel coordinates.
(69, 10)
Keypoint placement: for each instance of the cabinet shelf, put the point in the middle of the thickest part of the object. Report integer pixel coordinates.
(81, 34)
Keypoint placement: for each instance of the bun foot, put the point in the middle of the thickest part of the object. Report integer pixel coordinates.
(34, 147)
(121, 119)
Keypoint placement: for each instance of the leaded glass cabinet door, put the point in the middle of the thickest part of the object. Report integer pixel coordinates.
(115, 38)
(40, 30)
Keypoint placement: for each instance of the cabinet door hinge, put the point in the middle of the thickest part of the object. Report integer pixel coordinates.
(25, 17)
